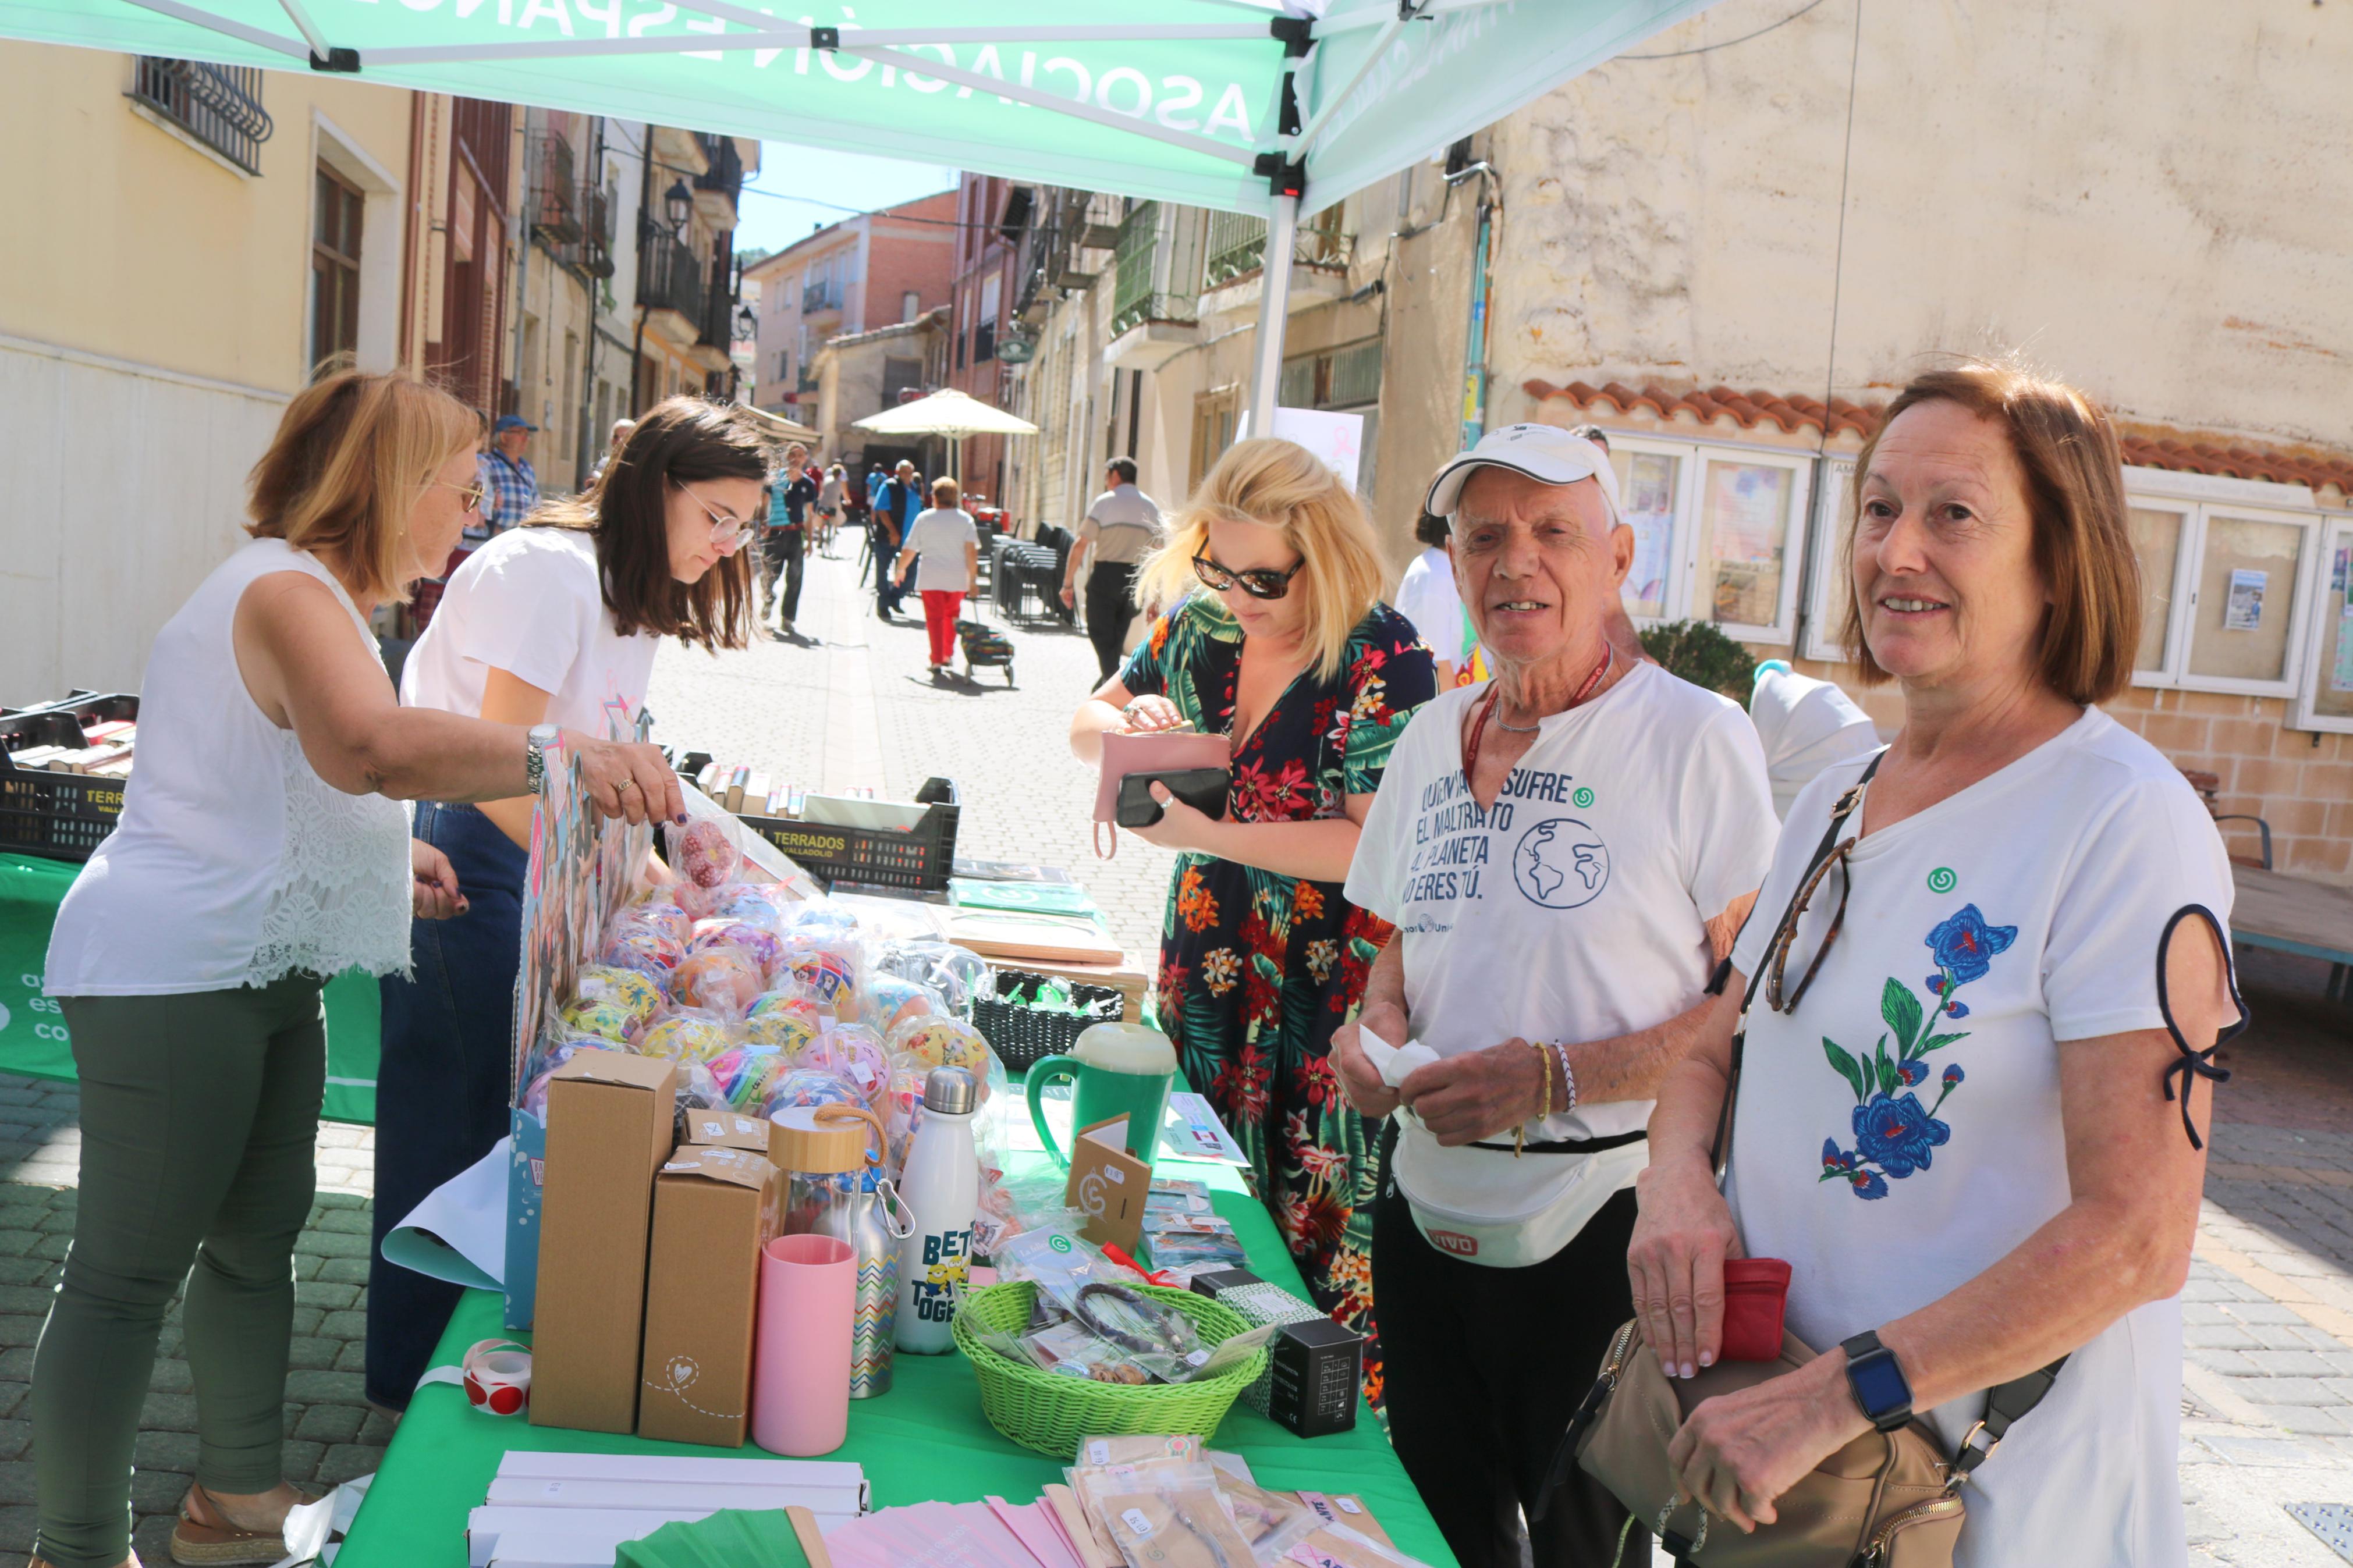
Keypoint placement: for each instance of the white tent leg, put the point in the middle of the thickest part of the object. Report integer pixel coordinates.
(1274, 311)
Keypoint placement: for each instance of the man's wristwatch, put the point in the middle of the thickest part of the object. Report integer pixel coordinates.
(543, 739)
(1881, 1389)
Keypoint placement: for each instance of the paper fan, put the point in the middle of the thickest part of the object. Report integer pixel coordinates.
(732, 1538)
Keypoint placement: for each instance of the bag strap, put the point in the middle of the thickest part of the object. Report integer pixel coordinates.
(1719, 1150)
(2005, 1402)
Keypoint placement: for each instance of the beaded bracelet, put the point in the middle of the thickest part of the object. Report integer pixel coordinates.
(1567, 1078)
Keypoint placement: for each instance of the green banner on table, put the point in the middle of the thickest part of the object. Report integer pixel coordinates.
(33, 1037)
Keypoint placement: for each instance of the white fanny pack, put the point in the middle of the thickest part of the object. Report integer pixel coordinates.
(1488, 1207)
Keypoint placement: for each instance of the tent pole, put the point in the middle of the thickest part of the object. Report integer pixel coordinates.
(1273, 313)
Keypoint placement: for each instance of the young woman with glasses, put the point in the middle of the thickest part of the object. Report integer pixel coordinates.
(554, 623)
(1284, 646)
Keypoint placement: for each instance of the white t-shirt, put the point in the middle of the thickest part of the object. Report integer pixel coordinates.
(2023, 911)
(938, 537)
(1426, 598)
(1576, 908)
(531, 603)
(1127, 525)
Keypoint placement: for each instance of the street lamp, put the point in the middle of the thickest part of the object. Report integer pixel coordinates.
(747, 325)
(679, 202)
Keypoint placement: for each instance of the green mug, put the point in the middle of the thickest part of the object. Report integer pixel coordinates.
(1117, 1069)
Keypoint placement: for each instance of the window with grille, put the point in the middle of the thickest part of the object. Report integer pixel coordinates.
(334, 268)
(220, 106)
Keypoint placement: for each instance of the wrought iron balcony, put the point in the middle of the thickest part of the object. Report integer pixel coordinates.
(555, 192)
(1237, 243)
(726, 174)
(1157, 267)
(670, 276)
(821, 295)
(220, 106)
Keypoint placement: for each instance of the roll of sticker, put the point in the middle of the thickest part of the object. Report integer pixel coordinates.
(498, 1377)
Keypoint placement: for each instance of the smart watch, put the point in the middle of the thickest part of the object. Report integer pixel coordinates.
(1881, 1389)
(541, 738)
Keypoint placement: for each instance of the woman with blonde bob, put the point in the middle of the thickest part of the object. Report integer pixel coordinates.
(1283, 646)
(261, 849)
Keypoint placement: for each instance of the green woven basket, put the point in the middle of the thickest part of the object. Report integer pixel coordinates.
(1050, 1413)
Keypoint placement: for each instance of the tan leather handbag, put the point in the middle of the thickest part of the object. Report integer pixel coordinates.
(1888, 1500)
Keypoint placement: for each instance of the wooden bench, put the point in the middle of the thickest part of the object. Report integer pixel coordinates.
(2288, 914)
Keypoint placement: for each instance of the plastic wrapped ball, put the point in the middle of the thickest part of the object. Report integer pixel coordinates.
(706, 856)
(944, 1043)
(808, 1086)
(698, 1090)
(642, 947)
(789, 1023)
(535, 1098)
(820, 921)
(901, 1106)
(625, 988)
(892, 1001)
(827, 969)
(853, 1052)
(754, 903)
(719, 980)
(607, 1020)
(546, 1058)
(758, 944)
(661, 911)
(686, 1036)
(747, 1072)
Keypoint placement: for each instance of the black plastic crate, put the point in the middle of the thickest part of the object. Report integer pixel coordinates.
(1023, 1034)
(62, 817)
(917, 859)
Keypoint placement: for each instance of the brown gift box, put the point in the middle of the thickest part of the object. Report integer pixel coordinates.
(609, 1125)
(714, 1209)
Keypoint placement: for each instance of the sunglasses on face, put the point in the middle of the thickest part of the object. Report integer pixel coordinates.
(1262, 583)
(728, 531)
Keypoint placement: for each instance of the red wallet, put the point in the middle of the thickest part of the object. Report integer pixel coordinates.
(1756, 1292)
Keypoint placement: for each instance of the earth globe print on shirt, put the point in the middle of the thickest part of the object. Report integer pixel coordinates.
(1560, 863)
(1893, 1134)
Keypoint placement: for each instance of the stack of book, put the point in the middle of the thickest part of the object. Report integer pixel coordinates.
(105, 751)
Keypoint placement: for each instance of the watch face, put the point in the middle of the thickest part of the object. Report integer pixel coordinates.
(1879, 1385)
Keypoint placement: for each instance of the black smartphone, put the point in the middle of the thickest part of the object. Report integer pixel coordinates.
(1203, 789)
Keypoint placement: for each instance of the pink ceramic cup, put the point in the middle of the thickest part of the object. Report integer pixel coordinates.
(800, 1376)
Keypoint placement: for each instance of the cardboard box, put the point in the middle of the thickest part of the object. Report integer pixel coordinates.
(1108, 1184)
(725, 1128)
(714, 1209)
(610, 1118)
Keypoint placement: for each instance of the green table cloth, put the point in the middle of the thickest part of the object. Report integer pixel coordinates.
(33, 1037)
(925, 1439)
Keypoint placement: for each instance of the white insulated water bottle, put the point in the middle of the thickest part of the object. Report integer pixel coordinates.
(941, 1187)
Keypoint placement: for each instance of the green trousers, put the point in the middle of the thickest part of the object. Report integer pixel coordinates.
(199, 1117)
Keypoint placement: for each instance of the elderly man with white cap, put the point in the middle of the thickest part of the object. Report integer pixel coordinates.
(1565, 851)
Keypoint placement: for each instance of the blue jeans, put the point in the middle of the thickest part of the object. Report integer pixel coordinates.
(442, 1087)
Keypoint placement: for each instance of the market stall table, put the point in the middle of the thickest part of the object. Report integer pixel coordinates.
(2290, 914)
(925, 1439)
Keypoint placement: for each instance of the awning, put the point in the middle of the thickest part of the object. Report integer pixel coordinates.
(946, 413)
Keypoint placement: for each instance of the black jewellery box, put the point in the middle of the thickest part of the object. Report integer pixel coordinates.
(1313, 1365)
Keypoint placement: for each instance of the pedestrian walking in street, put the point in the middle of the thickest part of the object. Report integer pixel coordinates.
(1565, 851)
(784, 537)
(1121, 527)
(902, 502)
(870, 563)
(614, 441)
(1283, 646)
(943, 548)
(513, 483)
(1427, 596)
(553, 626)
(261, 848)
(1968, 1122)
(830, 497)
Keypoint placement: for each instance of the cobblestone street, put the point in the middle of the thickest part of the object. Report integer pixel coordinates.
(2268, 1396)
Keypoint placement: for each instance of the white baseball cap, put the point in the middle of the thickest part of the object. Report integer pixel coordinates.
(1545, 453)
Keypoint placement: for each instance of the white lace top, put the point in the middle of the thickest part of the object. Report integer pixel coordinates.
(234, 863)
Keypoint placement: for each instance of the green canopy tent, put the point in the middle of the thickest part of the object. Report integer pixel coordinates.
(1245, 105)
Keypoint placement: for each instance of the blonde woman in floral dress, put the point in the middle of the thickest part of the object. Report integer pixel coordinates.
(1284, 646)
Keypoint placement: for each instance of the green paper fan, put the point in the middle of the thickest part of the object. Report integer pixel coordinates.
(732, 1538)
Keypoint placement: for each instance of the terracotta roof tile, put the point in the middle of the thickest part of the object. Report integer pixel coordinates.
(2144, 445)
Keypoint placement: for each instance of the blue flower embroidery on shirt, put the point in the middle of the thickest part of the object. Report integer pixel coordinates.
(1894, 1134)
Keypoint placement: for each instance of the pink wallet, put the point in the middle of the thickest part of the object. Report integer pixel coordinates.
(1161, 751)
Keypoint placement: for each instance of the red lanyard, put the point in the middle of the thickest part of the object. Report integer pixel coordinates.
(1487, 710)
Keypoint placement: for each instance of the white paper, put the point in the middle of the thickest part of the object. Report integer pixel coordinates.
(1337, 438)
(1395, 1063)
(459, 1232)
(1192, 1130)
(2244, 611)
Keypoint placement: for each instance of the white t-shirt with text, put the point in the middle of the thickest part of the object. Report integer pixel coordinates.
(1574, 908)
(1900, 1131)
(531, 603)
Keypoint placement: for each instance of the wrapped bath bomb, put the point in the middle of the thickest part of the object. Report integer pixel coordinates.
(686, 1035)
(747, 1073)
(607, 1020)
(758, 944)
(661, 911)
(754, 903)
(892, 1001)
(704, 854)
(719, 980)
(851, 1052)
(808, 1086)
(944, 1043)
(638, 945)
(789, 1020)
(625, 988)
(827, 968)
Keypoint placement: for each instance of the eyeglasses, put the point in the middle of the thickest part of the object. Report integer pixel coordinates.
(1263, 583)
(728, 531)
(469, 495)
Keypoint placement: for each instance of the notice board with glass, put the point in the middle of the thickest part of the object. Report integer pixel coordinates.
(2326, 701)
(1718, 533)
(2225, 594)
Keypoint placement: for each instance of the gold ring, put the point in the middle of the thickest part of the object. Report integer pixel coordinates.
(629, 784)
